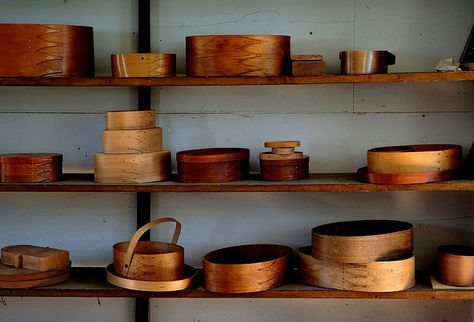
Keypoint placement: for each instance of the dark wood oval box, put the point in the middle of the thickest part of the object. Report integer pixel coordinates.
(213, 165)
(284, 170)
(39, 50)
(31, 167)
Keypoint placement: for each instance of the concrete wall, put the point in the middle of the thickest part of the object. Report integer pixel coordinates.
(336, 124)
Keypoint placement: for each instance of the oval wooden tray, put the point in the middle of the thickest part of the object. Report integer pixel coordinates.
(40, 50)
(213, 165)
(284, 170)
(150, 260)
(130, 120)
(455, 265)
(132, 167)
(143, 65)
(12, 274)
(362, 241)
(246, 268)
(364, 175)
(184, 282)
(414, 158)
(132, 141)
(237, 55)
(36, 283)
(381, 276)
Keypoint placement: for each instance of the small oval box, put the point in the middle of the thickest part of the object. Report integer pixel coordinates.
(283, 163)
(143, 65)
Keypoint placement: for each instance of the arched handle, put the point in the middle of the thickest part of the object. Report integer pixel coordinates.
(133, 242)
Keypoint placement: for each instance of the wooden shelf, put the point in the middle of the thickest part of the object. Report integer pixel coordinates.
(234, 81)
(90, 282)
(345, 182)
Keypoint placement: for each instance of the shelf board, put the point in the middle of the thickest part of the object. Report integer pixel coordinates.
(327, 182)
(90, 282)
(239, 80)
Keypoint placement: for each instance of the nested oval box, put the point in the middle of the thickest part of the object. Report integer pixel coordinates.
(213, 165)
(46, 50)
(237, 55)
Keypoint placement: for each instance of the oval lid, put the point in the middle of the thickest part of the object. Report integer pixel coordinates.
(211, 155)
(26, 158)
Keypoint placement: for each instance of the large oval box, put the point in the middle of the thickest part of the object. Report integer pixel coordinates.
(213, 165)
(39, 50)
(237, 55)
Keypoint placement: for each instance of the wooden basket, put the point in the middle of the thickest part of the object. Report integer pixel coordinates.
(36, 50)
(143, 65)
(130, 120)
(455, 265)
(246, 268)
(213, 165)
(381, 276)
(132, 167)
(237, 55)
(149, 260)
(132, 141)
(362, 241)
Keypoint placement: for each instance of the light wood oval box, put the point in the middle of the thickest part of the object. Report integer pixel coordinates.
(132, 141)
(43, 50)
(130, 120)
(246, 268)
(132, 167)
(381, 276)
(362, 241)
(143, 65)
(414, 158)
(237, 55)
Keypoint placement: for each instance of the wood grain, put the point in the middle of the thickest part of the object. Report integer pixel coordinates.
(36, 50)
(132, 141)
(12, 274)
(414, 158)
(284, 170)
(409, 77)
(184, 282)
(246, 268)
(362, 241)
(35, 283)
(364, 175)
(130, 120)
(455, 265)
(34, 257)
(237, 55)
(381, 276)
(213, 165)
(132, 167)
(143, 65)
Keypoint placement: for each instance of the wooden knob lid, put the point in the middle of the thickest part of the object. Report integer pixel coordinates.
(282, 147)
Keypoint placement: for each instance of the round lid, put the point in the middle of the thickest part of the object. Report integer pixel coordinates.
(23, 158)
(212, 155)
(282, 144)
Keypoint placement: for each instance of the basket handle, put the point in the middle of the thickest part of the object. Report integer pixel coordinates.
(133, 242)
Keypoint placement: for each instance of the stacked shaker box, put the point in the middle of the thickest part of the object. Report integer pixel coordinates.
(132, 149)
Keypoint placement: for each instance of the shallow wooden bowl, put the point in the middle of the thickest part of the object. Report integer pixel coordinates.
(381, 276)
(246, 268)
(213, 165)
(132, 141)
(455, 265)
(130, 120)
(41, 50)
(143, 65)
(149, 260)
(364, 175)
(12, 274)
(362, 241)
(414, 158)
(237, 55)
